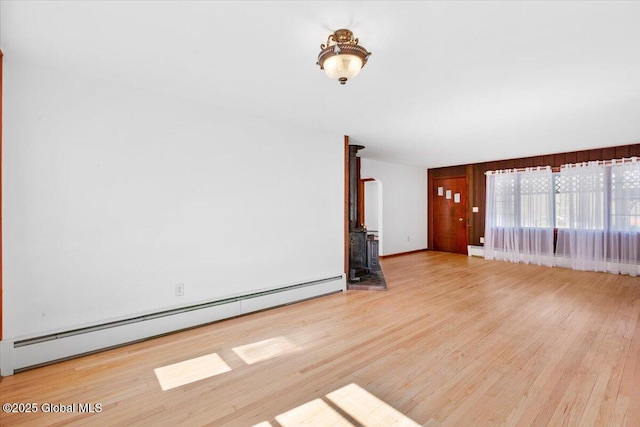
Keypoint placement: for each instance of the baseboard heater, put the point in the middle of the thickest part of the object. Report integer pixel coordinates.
(20, 355)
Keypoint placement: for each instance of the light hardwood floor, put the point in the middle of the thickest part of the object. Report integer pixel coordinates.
(455, 341)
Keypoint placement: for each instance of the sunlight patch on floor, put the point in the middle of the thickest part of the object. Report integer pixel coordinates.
(341, 407)
(314, 413)
(189, 371)
(367, 409)
(264, 350)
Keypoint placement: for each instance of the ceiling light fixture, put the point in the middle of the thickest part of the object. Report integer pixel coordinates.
(342, 57)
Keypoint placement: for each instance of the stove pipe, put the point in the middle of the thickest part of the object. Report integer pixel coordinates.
(354, 180)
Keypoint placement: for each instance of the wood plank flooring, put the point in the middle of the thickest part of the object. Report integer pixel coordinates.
(454, 341)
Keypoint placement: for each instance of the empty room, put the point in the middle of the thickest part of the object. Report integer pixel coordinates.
(322, 213)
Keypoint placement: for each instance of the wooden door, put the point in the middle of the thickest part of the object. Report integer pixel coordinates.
(450, 214)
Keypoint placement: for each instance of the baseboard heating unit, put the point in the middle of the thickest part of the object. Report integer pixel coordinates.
(475, 251)
(21, 354)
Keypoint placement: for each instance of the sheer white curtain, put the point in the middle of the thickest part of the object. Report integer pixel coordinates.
(519, 216)
(623, 237)
(581, 197)
(500, 217)
(602, 206)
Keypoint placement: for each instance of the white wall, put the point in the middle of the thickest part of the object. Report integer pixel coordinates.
(113, 196)
(404, 204)
(371, 199)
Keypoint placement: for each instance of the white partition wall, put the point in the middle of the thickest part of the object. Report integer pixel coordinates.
(113, 197)
(404, 205)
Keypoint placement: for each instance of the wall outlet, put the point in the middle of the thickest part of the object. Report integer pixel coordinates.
(179, 289)
(408, 238)
(482, 240)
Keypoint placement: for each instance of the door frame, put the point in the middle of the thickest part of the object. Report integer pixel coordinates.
(346, 208)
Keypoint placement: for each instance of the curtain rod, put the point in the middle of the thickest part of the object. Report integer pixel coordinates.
(557, 168)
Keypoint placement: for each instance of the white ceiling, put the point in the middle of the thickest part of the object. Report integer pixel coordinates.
(449, 82)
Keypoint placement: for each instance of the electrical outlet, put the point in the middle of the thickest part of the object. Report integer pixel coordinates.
(408, 239)
(179, 289)
(482, 240)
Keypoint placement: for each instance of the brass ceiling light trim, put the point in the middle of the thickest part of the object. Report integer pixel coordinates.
(342, 57)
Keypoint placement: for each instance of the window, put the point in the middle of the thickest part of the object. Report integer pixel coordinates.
(523, 201)
(505, 206)
(581, 197)
(617, 209)
(535, 201)
(519, 216)
(625, 199)
(611, 196)
(594, 208)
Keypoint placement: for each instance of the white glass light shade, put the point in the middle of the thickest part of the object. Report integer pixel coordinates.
(342, 57)
(343, 66)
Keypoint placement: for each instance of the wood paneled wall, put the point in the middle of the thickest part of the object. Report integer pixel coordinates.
(476, 181)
